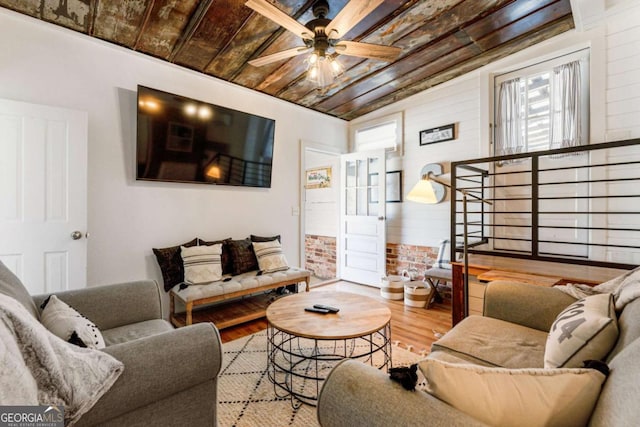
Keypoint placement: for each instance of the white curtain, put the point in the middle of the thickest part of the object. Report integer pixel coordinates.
(566, 126)
(509, 137)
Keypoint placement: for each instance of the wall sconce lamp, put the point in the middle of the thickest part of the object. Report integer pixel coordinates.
(430, 189)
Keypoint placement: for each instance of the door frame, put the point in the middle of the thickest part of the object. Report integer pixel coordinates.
(306, 145)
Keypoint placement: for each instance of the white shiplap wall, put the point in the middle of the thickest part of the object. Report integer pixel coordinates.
(623, 73)
(406, 221)
(466, 101)
(623, 122)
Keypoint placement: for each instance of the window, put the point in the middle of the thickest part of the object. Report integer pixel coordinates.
(385, 132)
(543, 106)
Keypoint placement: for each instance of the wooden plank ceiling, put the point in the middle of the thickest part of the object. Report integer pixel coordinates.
(440, 40)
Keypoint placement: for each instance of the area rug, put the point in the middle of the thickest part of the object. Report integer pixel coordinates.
(246, 397)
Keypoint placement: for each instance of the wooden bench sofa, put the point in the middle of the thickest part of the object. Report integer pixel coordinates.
(237, 286)
(240, 278)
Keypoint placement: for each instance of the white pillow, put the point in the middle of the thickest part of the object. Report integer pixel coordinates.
(202, 264)
(516, 397)
(66, 323)
(270, 256)
(587, 329)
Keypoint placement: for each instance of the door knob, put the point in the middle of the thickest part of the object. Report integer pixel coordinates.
(380, 218)
(76, 235)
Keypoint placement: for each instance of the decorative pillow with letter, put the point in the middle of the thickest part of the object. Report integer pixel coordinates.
(227, 262)
(66, 323)
(242, 255)
(171, 265)
(202, 264)
(270, 256)
(516, 397)
(586, 330)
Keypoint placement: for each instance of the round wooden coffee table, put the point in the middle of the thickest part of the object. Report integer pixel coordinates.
(303, 347)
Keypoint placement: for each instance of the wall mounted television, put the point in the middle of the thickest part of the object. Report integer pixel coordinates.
(181, 139)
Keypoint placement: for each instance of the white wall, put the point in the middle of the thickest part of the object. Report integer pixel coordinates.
(466, 101)
(45, 64)
(623, 73)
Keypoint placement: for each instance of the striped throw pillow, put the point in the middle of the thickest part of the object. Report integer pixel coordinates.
(270, 256)
(202, 264)
(442, 261)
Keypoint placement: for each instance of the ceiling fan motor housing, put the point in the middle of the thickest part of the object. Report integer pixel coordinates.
(320, 41)
(320, 9)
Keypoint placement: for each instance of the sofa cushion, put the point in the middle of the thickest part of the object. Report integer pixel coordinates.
(270, 256)
(585, 330)
(202, 264)
(489, 341)
(617, 405)
(171, 265)
(242, 282)
(135, 331)
(11, 286)
(227, 264)
(516, 397)
(66, 323)
(242, 255)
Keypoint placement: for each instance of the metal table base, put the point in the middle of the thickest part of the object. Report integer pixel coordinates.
(298, 366)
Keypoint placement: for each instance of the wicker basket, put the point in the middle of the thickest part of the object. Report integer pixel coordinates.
(393, 287)
(417, 294)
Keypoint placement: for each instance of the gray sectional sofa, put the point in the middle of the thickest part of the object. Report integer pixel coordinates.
(511, 334)
(169, 376)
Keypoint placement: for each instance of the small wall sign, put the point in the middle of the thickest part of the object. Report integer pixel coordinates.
(318, 178)
(439, 134)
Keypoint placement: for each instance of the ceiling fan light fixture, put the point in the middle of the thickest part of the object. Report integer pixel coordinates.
(323, 71)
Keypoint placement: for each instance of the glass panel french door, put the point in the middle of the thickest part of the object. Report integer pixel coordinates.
(362, 219)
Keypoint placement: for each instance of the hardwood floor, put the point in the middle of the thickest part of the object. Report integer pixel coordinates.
(412, 328)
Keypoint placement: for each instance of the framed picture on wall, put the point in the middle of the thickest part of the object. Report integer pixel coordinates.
(318, 178)
(439, 134)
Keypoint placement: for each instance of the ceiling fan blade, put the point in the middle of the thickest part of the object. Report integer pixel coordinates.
(271, 12)
(367, 50)
(268, 59)
(349, 16)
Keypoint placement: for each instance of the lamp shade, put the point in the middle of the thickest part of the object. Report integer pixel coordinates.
(423, 192)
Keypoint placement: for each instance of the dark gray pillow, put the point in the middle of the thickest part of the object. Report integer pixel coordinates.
(242, 255)
(171, 264)
(255, 238)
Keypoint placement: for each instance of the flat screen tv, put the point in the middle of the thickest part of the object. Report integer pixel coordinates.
(185, 140)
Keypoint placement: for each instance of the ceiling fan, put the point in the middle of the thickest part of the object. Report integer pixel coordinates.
(322, 36)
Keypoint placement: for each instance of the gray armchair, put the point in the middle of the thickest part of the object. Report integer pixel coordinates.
(169, 375)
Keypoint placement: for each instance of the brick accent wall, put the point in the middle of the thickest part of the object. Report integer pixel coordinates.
(321, 257)
(403, 257)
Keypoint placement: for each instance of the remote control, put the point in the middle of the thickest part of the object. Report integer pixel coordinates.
(326, 307)
(316, 310)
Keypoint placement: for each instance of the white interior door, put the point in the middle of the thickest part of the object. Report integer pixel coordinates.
(362, 218)
(43, 195)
